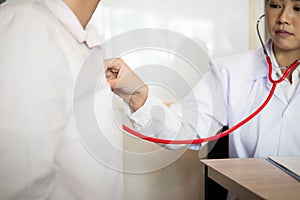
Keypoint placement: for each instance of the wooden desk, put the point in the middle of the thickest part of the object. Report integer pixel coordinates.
(253, 178)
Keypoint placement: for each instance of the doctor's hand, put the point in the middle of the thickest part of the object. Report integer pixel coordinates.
(125, 83)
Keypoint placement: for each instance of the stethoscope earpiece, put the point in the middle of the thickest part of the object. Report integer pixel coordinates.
(259, 35)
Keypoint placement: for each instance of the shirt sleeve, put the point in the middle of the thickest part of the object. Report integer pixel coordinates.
(200, 114)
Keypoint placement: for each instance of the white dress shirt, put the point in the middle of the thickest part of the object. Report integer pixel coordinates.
(44, 153)
(233, 88)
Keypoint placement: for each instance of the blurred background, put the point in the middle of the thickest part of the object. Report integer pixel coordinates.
(221, 28)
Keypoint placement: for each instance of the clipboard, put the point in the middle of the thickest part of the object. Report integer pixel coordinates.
(290, 165)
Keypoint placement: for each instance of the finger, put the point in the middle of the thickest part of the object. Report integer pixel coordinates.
(111, 63)
(112, 83)
(108, 61)
(109, 75)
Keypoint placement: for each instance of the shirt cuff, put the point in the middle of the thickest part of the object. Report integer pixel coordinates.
(142, 116)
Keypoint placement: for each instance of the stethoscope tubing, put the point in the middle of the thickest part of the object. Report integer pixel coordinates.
(238, 125)
(230, 130)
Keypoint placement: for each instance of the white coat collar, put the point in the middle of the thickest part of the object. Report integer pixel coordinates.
(260, 69)
(72, 24)
(259, 63)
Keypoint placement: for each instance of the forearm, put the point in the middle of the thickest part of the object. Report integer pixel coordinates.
(157, 120)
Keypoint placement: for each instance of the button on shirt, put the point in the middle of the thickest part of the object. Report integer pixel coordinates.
(43, 154)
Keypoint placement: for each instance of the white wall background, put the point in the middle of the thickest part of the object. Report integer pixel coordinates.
(222, 27)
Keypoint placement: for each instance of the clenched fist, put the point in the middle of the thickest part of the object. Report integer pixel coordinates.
(125, 83)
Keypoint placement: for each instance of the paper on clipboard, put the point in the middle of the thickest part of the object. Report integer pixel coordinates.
(290, 165)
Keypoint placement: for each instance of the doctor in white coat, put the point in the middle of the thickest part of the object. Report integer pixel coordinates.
(234, 87)
(44, 152)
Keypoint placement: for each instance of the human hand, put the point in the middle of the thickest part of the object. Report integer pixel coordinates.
(125, 83)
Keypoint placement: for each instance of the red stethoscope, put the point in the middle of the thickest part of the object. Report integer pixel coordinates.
(241, 123)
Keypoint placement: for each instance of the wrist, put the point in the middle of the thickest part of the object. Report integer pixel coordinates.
(139, 98)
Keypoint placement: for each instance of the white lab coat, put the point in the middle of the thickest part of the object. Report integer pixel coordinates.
(233, 88)
(44, 153)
